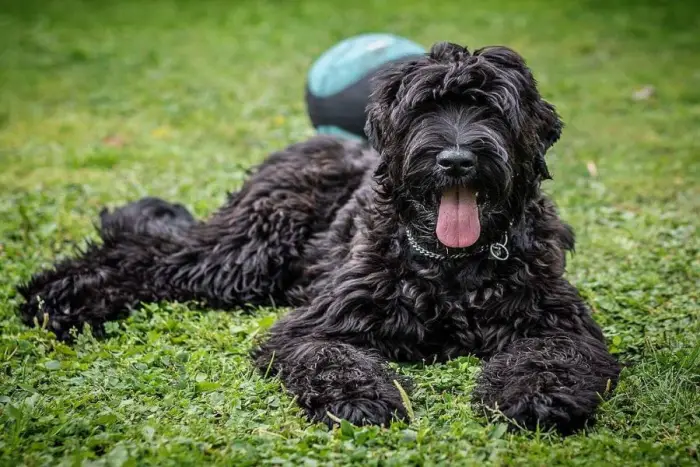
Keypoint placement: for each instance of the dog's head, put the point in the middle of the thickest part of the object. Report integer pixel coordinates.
(462, 139)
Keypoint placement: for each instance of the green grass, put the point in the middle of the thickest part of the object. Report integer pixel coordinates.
(104, 102)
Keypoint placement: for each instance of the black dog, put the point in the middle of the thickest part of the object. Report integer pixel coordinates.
(438, 243)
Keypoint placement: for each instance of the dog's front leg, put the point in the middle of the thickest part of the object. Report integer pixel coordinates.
(555, 381)
(333, 380)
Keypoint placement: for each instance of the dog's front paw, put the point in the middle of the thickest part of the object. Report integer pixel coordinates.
(362, 412)
(555, 382)
(529, 403)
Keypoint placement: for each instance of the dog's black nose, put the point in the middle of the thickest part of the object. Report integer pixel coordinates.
(456, 162)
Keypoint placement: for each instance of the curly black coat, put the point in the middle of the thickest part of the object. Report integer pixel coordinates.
(346, 234)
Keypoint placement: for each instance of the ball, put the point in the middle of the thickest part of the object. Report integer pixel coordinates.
(338, 83)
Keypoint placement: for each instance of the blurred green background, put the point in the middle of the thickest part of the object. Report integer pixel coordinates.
(104, 102)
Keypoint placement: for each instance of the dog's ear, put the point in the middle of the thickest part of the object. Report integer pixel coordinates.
(536, 117)
(379, 128)
(548, 126)
(378, 125)
(385, 85)
(374, 126)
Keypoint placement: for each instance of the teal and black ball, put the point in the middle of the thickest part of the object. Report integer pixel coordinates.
(338, 83)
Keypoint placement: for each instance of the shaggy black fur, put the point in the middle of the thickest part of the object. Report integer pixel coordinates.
(322, 226)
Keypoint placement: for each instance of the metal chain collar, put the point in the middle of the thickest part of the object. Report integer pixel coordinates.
(498, 251)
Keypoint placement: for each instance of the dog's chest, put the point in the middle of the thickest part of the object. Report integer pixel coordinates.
(460, 290)
(449, 310)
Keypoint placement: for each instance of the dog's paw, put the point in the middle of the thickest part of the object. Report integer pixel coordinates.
(45, 312)
(361, 412)
(550, 383)
(529, 411)
(59, 304)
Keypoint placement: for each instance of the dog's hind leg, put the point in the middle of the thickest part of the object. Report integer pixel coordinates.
(249, 252)
(101, 284)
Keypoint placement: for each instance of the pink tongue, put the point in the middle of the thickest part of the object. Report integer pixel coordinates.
(458, 218)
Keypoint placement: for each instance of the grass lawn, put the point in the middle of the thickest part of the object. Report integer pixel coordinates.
(105, 102)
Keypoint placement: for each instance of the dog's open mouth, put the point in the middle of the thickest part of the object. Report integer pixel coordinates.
(458, 223)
